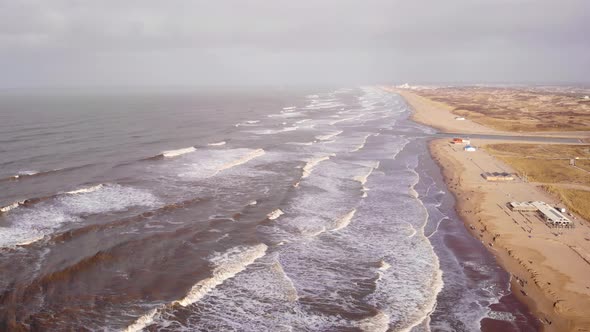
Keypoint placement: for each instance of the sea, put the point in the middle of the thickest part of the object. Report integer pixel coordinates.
(241, 210)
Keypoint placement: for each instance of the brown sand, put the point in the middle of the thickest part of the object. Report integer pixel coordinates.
(550, 267)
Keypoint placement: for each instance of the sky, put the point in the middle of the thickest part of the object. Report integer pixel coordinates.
(70, 43)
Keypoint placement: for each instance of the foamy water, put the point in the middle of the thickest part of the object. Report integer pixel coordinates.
(178, 152)
(30, 224)
(312, 219)
(226, 266)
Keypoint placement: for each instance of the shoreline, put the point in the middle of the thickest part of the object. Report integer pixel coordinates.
(440, 116)
(552, 291)
(464, 260)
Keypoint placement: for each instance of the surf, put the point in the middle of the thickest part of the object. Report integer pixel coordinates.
(178, 152)
(312, 163)
(225, 266)
(252, 155)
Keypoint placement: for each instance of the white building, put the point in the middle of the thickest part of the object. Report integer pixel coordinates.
(550, 214)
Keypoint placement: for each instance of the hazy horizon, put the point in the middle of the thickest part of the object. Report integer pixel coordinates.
(152, 44)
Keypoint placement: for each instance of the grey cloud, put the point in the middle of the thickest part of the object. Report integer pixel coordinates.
(291, 42)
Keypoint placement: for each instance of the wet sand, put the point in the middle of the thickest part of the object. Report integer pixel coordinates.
(549, 267)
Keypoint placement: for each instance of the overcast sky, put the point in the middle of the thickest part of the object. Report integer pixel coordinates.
(61, 43)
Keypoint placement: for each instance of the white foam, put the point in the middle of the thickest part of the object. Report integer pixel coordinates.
(247, 123)
(309, 166)
(226, 266)
(347, 119)
(275, 214)
(205, 164)
(24, 173)
(383, 265)
(300, 143)
(217, 143)
(85, 190)
(274, 131)
(328, 136)
(362, 145)
(254, 154)
(12, 206)
(363, 178)
(286, 115)
(343, 221)
(289, 108)
(377, 323)
(179, 152)
(32, 224)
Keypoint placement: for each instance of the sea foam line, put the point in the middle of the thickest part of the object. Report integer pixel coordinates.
(275, 214)
(344, 220)
(226, 266)
(11, 206)
(256, 153)
(377, 323)
(312, 163)
(363, 178)
(178, 152)
(328, 136)
(217, 143)
(358, 148)
(85, 190)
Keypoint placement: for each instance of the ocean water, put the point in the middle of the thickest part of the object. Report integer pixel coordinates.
(259, 211)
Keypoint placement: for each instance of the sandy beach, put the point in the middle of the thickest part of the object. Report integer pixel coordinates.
(549, 267)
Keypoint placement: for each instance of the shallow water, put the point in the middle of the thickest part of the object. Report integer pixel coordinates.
(258, 211)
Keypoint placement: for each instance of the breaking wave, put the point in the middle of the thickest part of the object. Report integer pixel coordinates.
(11, 206)
(256, 153)
(208, 163)
(85, 190)
(343, 221)
(362, 145)
(176, 153)
(33, 223)
(274, 131)
(225, 266)
(312, 163)
(217, 143)
(363, 178)
(275, 214)
(247, 123)
(328, 136)
(377, 323)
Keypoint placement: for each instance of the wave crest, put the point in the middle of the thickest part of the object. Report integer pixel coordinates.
(226, 266)
(178, 152)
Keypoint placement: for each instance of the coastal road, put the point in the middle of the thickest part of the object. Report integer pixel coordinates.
(540, 139)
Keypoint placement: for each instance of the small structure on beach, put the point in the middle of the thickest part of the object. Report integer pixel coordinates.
(470, 148)
(460, 118)
(552, 216)
(523, 206)
(459, 140)
(497, 176)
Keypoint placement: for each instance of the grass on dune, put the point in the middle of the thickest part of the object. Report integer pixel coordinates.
(547, 163)
(576, 200)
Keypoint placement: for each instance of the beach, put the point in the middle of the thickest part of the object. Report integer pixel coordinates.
(548, 266)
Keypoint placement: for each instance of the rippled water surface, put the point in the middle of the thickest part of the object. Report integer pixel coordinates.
(251, 211)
